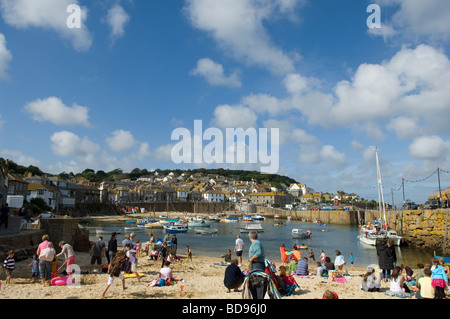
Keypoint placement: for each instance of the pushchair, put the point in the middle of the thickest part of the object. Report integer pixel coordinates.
(257, 283)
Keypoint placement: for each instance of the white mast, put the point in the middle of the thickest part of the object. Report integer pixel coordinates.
(381, 204)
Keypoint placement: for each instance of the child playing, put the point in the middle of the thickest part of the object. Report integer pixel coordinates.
(438, 279)
(114, 270)
(351, 259)
(131, 253)
(153, 254)
(311, 255)
(34, 268)
(138, 248)
(9, 265)
(189, 253)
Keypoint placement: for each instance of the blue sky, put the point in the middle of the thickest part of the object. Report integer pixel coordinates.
(109, 94)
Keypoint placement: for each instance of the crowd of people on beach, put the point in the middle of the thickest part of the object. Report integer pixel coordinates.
(430, 282)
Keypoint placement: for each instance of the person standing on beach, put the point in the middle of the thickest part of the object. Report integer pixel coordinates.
(256, 252)
(115, 270)
(69, 254)
(4, 215)
(238, 248)
(339, 262)
(112, 247)
(97, 252)
(385, 260)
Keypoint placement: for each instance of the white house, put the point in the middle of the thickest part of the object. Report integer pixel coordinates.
(213, 196)
(46, 192)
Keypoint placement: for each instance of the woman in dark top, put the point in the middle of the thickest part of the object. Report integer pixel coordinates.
(385, 260)
(329, 265)
(233, 276)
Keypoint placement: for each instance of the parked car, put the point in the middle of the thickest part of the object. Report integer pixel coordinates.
(431, 204)
(410, 205)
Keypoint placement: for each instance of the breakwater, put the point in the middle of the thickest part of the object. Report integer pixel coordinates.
(425, 229)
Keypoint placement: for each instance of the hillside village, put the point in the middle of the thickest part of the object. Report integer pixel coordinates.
(190, 186)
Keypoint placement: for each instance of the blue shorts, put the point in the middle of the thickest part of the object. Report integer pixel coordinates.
(45, 268)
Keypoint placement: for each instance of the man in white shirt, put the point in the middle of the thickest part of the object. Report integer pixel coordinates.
(238, 248)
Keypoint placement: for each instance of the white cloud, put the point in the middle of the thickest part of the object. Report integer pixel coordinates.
(49, 15)
(214, 74)
(20, 158)
(237, 26)
(404, 127)
(227, 116)
(429, 148)
(376, 94)
(333, 156)
(67, 144)
(5, 57)
(121, 141)
(163, 153)
(290, 133)
(418, 19)
(117, 18)
(53, 110)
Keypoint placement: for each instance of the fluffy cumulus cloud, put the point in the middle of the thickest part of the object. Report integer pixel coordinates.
(5, 57)
(49, 15)
(237, 27)
(390, 95)
(237, 116)
(416, 19)
(53, 110)
(68, 144)
(117, 18)
(430, 148)
(214, 73)
(120, 141)
(20, 157)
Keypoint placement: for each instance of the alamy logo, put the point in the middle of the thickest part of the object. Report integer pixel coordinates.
(374, 20)
(74, 19)
(190, 148)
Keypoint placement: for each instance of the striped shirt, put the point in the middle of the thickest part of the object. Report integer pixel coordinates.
(9, 263)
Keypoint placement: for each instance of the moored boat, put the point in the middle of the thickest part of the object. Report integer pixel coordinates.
(206, 231)
(175, 228)
(298, 233)
(249, 227)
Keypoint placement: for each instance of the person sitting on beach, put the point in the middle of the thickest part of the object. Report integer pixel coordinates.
(427, 290)
(302, 269)
(153, 254)
(329, 265)
(398, 288)
(233, 278)
(321, 270)
(227, 256)
(165, 274)
(370, 283)
(115, 270)
(289, 282)
(409, 272)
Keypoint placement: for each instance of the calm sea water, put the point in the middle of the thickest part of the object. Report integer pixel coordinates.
(337, 237)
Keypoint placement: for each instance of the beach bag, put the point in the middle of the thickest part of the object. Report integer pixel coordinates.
(47, 254)
(258, 287)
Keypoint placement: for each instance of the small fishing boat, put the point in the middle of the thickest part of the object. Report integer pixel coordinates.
(198, 223)
(231, 219)
(258, 218)
(206, 231)
(249, 227)
(247, 218)
(298, 233)
(175, 228)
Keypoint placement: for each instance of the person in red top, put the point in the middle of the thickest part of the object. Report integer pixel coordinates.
(330, 295)
(284, 257)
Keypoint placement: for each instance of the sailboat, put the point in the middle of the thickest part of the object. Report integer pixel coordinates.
(369, 234)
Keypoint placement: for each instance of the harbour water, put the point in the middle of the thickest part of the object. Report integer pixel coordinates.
(336, 237)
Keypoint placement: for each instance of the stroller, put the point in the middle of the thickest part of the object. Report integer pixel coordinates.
(257, 283)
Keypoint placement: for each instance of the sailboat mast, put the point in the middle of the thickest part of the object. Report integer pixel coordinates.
(381, 205)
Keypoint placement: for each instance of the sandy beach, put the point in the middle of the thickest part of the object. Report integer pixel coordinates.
(202, 279)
